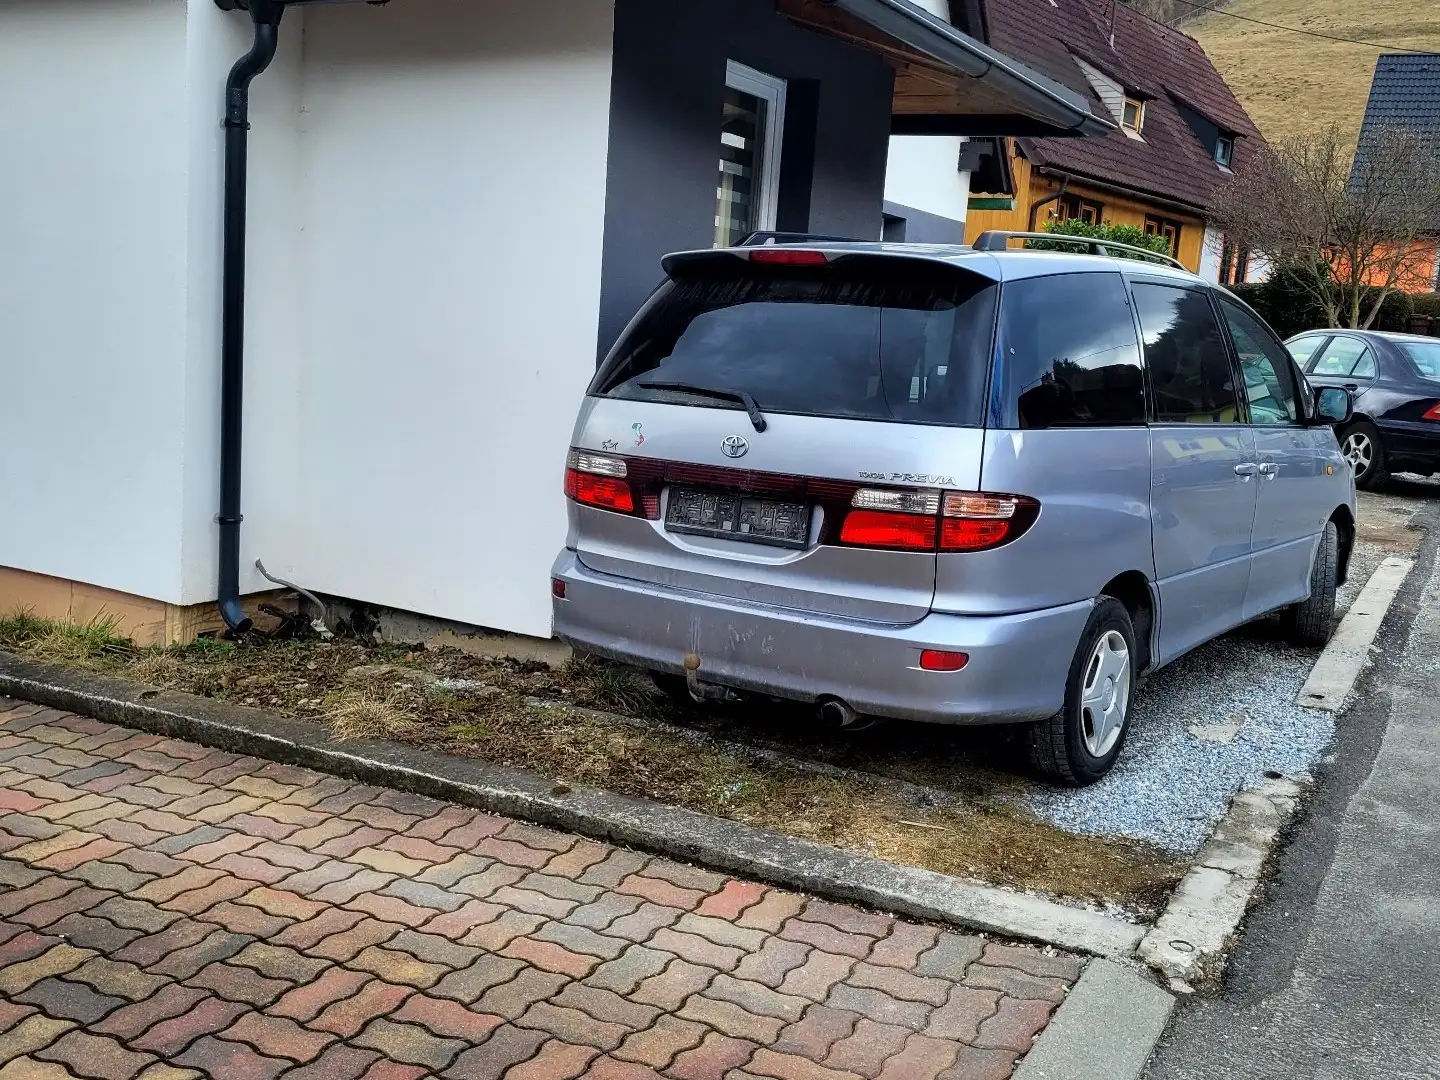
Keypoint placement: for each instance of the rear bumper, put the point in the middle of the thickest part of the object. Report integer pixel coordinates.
(1017, 669)
(1413, 442)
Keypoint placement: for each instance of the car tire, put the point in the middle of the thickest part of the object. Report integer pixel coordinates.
(1081, 743)
(1311, 621)
(1360, 443)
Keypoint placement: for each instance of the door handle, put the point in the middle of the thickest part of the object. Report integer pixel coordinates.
(1352, 387)
(1269, 469)
(1246, 468)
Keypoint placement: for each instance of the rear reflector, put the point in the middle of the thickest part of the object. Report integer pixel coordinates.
(1432, 413)
(940, 660)
(880, 529)
(557, 588)
(787, 257)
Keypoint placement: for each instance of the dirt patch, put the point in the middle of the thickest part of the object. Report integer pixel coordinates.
(529, 716)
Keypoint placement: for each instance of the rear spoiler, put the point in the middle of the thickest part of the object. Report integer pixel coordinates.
(818, 253)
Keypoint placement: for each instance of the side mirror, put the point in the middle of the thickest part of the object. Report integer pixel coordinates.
(1333, 405)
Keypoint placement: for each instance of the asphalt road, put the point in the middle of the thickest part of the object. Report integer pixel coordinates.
(1337, 974)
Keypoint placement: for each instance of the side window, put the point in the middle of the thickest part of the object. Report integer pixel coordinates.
(1265, 366)
(1342, 356)
(1190, 372)
(1069, 357)
(1304, 348)
(1364, 367)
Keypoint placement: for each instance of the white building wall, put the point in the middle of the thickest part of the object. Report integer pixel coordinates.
(92, 290)
(453, 166)
(1210, 249)
(924, 170)
(924, 173)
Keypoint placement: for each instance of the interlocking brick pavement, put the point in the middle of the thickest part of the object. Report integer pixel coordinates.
(169, 912)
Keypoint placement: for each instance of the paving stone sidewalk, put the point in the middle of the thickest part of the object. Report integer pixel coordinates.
(170, 912)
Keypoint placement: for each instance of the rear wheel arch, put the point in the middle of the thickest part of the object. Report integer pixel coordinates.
(1133, 589)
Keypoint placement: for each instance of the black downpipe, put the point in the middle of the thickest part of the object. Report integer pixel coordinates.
(266, 15)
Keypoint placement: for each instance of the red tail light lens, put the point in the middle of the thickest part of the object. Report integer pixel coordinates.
(940, 660)
(1432, 413)
(787, 257)
(929, 521)
(599, 491)
(978, 522)
(597, 480)
(882, 529)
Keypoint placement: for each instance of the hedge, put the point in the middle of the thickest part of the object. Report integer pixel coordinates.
(1284, 302)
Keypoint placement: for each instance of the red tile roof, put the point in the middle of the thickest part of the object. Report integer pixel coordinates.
(1164, 67)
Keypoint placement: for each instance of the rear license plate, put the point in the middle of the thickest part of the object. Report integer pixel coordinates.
(738, 517)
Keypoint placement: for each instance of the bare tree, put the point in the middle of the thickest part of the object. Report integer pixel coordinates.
(1353, 232)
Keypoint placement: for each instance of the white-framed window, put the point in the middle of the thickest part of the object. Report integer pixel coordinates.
(751, 130)
(1224, 150)
(1132, 115)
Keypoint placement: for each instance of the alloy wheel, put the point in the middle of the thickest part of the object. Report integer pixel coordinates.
(1106, 694)
(1359, 451)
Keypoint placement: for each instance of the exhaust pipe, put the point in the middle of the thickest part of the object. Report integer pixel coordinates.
(846, 718)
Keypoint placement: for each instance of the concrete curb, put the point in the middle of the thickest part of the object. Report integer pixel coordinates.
(1105, 1030)
(1339, 666)
(1189, 941)
(667, 830)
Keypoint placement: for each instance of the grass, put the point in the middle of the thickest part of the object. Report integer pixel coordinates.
(1295, 84)
(555, 723)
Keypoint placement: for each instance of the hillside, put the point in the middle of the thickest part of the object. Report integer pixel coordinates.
(1292, 83)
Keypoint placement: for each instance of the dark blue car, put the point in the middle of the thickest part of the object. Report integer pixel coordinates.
(1395, 380)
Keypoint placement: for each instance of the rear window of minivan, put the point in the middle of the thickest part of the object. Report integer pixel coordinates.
(876, 339)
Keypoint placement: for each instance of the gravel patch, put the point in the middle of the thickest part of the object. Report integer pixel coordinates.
(1213, 722)
(1220, 718)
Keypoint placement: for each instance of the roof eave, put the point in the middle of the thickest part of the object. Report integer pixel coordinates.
(1045, 99)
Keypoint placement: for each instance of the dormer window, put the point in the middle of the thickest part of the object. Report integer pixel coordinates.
(1224, 150)
(1132, 116)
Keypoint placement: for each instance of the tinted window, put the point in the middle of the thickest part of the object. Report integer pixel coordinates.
(1425, 357)
(1340, 357)
(878, 342)
(1190, 372)
(1303, 348)
(1068, 354)
(1265, 367)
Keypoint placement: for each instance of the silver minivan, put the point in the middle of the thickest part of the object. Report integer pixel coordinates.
(964, 485)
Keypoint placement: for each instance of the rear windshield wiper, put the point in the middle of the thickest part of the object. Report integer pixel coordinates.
(752, 410)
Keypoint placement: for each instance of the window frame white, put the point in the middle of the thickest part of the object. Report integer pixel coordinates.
(1229, 143)
(770, 90)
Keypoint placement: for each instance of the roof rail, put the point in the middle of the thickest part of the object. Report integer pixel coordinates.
(763, 239)
(1000, 241)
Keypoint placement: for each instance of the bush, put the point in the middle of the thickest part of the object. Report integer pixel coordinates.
(1427, 304)
(1118, 234)
(1284, 301)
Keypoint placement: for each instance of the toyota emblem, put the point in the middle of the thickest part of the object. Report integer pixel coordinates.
(735, 446)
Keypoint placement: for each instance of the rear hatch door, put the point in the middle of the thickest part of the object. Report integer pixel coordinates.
(867, 375)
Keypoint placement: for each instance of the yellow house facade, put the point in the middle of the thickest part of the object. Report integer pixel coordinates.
(1041, 197)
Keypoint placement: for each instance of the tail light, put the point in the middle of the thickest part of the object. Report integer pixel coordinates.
(1432, 413)
(598, 480)
(942, 660)
(934, 521)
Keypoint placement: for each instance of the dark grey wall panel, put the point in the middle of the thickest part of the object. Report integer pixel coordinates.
(665, 109)
(924, 228)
